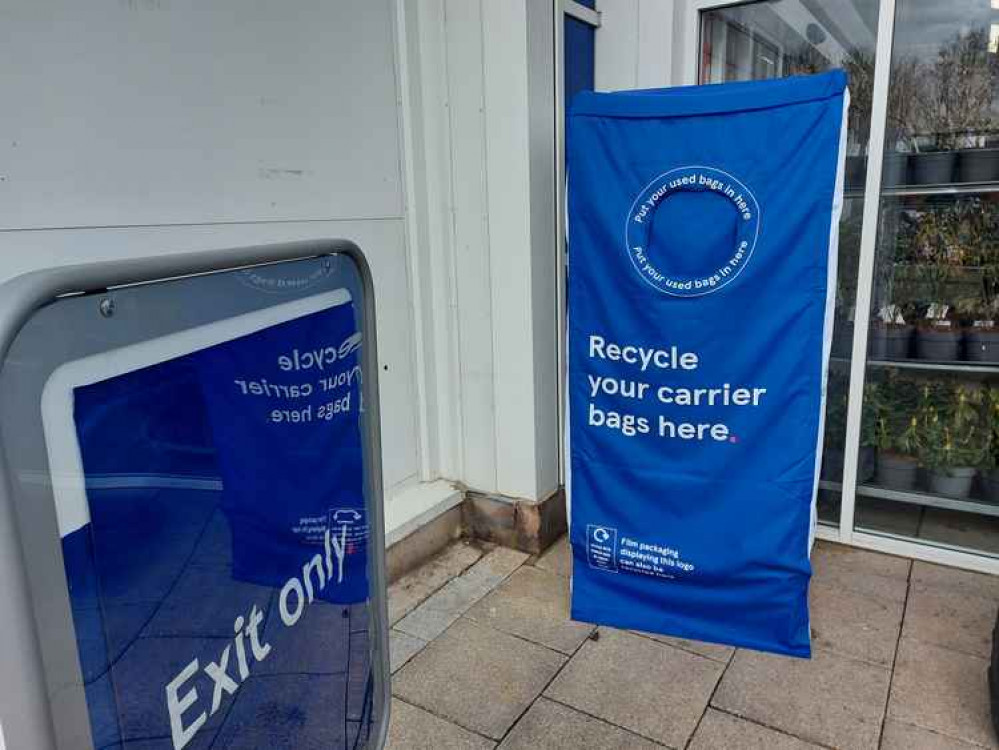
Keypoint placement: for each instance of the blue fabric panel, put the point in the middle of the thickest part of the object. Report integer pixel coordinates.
(699, 228)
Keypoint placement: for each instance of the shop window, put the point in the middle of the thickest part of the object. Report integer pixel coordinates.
(932, 396)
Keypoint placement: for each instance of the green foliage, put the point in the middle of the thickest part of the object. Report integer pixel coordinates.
(891, 415)
(956, 427)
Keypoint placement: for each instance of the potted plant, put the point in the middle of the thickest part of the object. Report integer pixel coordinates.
(982, 335)
(934, 159)
(955, 443)
(967, 75)
(903, 104)
(859, 67)
(939, 335)
(891, 327)
(955, 100)
(891, 334)
(896, 433)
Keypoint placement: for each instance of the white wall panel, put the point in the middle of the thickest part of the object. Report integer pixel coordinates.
(634, 44)
(137, 112)
(616, 53)
(469, 205)
(508, 168)
(135, 127)
(544, 236)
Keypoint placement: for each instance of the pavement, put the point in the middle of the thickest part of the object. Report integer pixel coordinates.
(484, 656)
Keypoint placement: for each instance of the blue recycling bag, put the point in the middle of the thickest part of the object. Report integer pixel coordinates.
(702, 244)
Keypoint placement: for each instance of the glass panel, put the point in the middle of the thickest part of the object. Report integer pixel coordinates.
(771, 39)
(933, 371)
(195, 451)
(579, 47)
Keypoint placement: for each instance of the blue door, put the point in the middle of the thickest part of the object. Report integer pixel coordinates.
(579, 44)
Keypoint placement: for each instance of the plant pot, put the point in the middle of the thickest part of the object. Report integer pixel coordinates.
(890, 341)
(982, 344)
(856, 170)
(933, 168)
(896, 471)
(956, 482)
(939, 344)
(895, 169)
(990, 483)
(979, 165)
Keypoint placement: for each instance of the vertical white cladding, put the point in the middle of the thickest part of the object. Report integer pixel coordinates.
(480, 118)
(634, 45)
(520, 100)
(466, 112)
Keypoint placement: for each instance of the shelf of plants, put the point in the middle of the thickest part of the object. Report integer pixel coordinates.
(930, 441)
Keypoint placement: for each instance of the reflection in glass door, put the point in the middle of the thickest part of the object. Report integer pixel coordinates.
(770, 39)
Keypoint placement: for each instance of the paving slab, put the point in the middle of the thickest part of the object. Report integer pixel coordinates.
(721, 731)
(716, 651)
(442, 609)
(413, 728)
(533, 604)
(900, 736)
(829, 699)
(654, 690)
(871, 573)
(414, 588)
(957, 581)
(477, 677)
(402, 648)
(552, 726)
(557, 559)
(943, 691)
(855, 624)
(954, 619)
